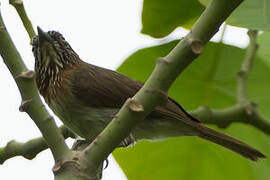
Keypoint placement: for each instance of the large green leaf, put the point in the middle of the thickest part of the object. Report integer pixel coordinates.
(264, 47)
(251, 14)
(159, 17)
(210, 80)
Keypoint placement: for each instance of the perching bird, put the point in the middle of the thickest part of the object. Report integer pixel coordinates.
(86, 98)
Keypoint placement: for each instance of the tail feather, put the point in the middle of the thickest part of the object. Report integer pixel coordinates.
(229, 142)
(206, 133)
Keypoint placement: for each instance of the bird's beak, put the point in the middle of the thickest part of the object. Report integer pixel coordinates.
(43, 37)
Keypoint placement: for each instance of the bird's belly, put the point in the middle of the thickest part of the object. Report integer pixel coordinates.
(84, 121)
(89, 122)
(159, 129)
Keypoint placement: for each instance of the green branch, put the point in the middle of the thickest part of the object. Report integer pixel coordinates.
(251, 50)
(18, 5)
(31, 102)
(29, 149)
(241, 113)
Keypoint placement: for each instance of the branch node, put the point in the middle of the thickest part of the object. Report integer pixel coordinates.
(63, 165)
(251, 108)
(254, 104)
(196, 46)
(72, 166)
(10, 143)
(3, 28)
(24, 105)
(29, 156)
(116, 119)
(248, 111)
(204, 108)
(15, 2)
(242, 73)
(95, 142)
(252, 33)
(135, 106)
(57, 166)
(163, 60)
(26, 75)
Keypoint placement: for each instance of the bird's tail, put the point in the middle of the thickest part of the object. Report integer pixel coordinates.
(228, 142)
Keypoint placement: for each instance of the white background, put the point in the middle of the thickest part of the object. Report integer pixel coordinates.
(102, 32)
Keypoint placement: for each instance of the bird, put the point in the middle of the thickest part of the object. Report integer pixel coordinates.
(86, 98)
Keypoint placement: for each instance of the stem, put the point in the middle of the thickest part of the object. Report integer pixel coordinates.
(223, 118)
(18, 5)
(246, 67)
(29, 149)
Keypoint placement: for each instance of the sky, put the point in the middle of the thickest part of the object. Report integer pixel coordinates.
(103, 33)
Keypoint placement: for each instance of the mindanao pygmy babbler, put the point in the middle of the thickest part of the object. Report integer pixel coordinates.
(86, 98)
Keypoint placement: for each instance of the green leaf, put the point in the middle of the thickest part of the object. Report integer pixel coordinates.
(264, 47)
(209, 80)
(251, 14)
(160, 18)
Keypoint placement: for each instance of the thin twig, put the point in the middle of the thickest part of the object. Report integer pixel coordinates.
(18, 5)
(241, 113)
(29, 149)
(246, 67)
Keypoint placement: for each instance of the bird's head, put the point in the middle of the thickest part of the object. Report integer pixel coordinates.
(52, 52)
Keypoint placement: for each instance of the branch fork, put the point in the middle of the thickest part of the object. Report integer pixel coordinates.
(25, 105)
(26, 74)
(196, 46)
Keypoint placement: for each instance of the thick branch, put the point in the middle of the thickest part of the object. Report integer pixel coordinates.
(165, 72)
(29, 149)
(31, 102)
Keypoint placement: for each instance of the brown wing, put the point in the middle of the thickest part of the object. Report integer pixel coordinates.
(98, 87)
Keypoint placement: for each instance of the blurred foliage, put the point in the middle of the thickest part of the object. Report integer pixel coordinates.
(252, 14)
(264, 47)
(160, 18)
(210, 80)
